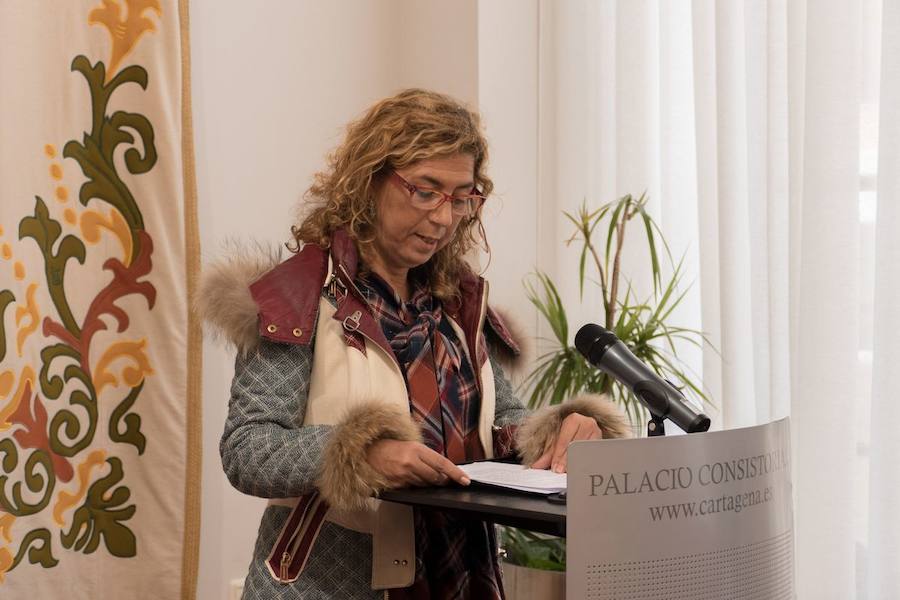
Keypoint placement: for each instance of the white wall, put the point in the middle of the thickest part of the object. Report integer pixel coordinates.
(272, 89)
(508, 102)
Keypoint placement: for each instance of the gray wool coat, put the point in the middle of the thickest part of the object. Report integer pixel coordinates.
(267, 452)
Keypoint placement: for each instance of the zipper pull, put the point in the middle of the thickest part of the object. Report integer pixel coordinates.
(285, 563)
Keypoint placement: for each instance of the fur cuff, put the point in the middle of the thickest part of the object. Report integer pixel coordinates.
(347, 480)
(223, 296)
(539, 431)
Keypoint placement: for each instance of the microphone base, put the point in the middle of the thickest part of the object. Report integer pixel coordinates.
(655, 427)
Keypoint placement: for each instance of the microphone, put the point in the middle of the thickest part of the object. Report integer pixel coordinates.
(605, 351)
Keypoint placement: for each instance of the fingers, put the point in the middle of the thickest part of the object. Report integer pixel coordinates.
(566, 434)
(443, 469)
(588, 430)
(457, 474)
(413, 463)
(400, 462)
(544, 461)
(430, 475)
(413, 479)
(575, 427)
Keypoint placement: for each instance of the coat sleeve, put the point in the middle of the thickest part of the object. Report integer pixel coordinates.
(508, 410)
(265, 450)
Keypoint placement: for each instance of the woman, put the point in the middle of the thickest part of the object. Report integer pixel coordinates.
(370, 360)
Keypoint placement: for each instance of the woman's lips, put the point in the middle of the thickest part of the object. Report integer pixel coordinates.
(428, 240)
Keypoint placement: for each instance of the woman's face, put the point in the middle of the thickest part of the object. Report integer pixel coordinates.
(406, 236)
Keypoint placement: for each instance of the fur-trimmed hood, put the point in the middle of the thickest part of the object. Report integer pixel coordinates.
(223, 299)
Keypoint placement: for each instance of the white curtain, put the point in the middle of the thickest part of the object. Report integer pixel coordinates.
(767, 134)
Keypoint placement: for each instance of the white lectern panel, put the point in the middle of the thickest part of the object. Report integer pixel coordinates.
(694, 517)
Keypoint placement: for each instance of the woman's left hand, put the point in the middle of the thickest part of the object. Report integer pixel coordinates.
(574, 427)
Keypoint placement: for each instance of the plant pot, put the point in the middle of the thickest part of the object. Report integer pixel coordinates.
(525, 583)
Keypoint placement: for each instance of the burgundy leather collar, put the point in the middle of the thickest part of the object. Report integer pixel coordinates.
(287, 298)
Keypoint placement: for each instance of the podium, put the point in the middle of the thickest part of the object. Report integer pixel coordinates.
(702, 516)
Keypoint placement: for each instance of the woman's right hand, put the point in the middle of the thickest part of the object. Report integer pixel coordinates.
(413, 463)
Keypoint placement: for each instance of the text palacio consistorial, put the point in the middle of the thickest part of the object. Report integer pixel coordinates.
(685, 476)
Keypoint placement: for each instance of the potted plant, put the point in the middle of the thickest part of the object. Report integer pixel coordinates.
(534, 565)
(562, 372)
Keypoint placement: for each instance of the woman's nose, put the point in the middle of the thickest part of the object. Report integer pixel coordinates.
(442, 215)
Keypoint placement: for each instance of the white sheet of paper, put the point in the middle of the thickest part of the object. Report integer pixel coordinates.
(516, 477)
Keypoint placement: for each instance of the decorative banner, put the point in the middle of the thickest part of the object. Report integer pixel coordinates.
(99, 355)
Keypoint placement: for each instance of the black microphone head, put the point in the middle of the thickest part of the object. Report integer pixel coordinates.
(700, 424)
(593, 341)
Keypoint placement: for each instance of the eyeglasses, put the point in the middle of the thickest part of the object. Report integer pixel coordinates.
(428, 199)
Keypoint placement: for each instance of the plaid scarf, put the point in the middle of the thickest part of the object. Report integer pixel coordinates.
(455, 558)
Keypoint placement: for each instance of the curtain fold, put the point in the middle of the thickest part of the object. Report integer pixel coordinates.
(883, 552)
(825, 400)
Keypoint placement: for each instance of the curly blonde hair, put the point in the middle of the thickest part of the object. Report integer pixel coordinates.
(396, 132)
